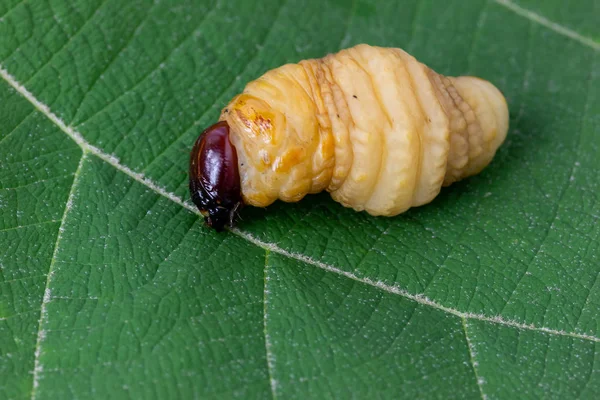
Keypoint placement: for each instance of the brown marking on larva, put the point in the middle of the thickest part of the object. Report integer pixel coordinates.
(263, 123)
(262, 126)
(257, 123)
(243, 118)
(356, 97)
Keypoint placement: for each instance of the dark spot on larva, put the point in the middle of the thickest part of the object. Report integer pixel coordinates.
(243, 118)
(226, 110)
(214, 177)
(263, 123)
(354, 96)
(338, 115)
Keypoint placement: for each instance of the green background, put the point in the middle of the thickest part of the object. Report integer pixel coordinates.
(111, 287)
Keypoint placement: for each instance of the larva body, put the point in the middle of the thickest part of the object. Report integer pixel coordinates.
(373, 126)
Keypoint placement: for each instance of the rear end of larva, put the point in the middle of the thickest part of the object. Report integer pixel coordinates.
(373, 126)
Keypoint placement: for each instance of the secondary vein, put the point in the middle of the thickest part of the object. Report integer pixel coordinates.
(41, 334)
(269, 353)
(419, 298)
(553, 26)
(480, 381)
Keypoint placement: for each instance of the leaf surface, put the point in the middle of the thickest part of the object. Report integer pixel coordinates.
(111, 287)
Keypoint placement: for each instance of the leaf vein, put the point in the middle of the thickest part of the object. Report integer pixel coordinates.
(13, 130)
(345, 37)
(553, 26)
(67, 42)
(37, 366)
(24, 278)
(478, 27)
(556, 210)
(474, 365)
(12, 228)
(149, 73)
(114, 58)
(54, 178)
(419, 298)
(11, 9)
(268, 346)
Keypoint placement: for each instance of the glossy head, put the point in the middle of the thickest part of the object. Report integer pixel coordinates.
(214, 177)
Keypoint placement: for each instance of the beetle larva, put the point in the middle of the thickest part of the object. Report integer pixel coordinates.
(378, 130)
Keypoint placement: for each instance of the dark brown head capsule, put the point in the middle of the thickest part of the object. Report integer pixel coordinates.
(214, 177)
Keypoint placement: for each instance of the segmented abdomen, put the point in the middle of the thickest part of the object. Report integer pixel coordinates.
(373, 126)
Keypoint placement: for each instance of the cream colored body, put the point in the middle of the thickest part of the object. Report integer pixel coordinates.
(373, 126)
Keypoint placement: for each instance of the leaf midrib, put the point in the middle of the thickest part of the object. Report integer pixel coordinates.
(88, 148)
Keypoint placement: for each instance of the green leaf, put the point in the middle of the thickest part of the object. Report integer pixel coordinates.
(111, 287)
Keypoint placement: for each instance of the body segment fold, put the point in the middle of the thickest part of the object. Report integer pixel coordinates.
(379, 130)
